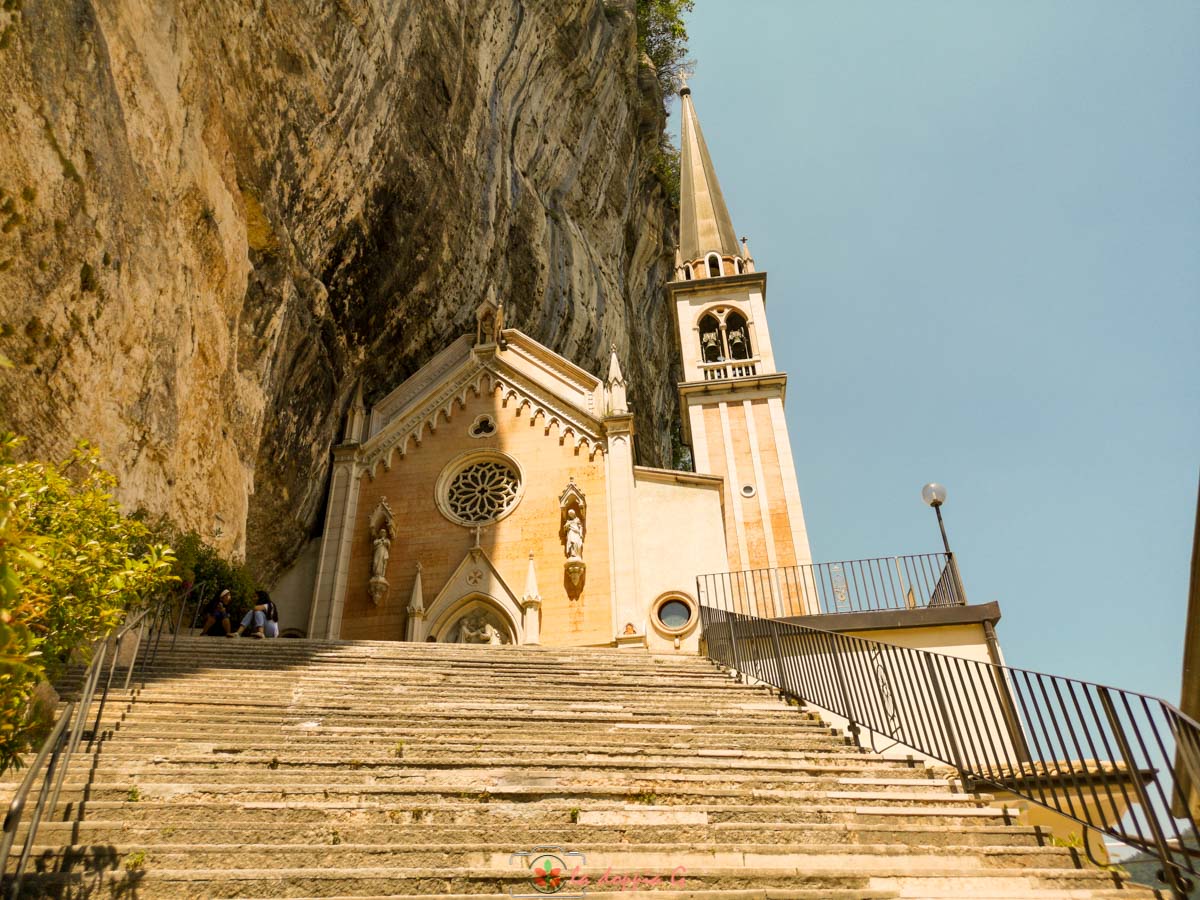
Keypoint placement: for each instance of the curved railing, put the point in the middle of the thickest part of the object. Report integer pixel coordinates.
(49, 767)
(1111, 760)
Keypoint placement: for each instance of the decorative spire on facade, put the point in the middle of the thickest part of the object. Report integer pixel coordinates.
(617, 402)
(705, 230)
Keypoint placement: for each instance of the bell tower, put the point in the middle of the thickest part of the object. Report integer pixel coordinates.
(731, 398)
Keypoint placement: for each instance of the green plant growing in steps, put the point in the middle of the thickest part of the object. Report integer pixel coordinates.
(134, 794)
(573, 814)
(398, 750)
(1072, 840)
(135, 861)
(649, 798)
(274, 763)
(335, 837)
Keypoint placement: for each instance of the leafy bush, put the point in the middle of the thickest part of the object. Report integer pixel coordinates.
(71, 564)
(202, 569)
(666, 169)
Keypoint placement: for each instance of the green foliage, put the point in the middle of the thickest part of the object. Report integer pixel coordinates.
(681, 453)
(666, 169)
(662, 36)
(71, 564)
(200, 566)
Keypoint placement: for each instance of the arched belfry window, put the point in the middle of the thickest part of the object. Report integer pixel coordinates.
(712, 347)
(714, 266)
(740, 267)
(737, 335)
(687, 272)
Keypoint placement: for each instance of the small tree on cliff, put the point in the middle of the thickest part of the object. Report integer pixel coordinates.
(71, 563)
(662, 36)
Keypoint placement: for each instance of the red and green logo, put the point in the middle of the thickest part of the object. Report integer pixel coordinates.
(549, 872)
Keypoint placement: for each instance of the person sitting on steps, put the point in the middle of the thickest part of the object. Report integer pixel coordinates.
(216, 615)
(264, 616)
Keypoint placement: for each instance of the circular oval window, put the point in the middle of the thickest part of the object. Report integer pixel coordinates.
(674, 613)
(479, 488)
(748, 490)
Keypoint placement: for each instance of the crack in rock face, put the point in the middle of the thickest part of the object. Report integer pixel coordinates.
(214, 220)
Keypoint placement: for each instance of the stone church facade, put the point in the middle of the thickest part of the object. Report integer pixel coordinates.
(493, 496)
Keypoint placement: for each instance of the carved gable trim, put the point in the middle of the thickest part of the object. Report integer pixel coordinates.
(517, 393)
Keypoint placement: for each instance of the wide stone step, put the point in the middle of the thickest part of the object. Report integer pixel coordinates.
(590, 827)
(761, 859)
(530, 789)
(136, 884)
(128, 744)
(478, 733)
(356, 881)
(402, 680)
(407, 763)
(541, 813)
(564, 715)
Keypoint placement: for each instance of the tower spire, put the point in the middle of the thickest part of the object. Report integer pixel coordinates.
(704, 223)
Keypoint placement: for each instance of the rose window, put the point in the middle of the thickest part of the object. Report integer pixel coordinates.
(483, 491)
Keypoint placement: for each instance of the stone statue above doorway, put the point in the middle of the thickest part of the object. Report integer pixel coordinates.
(475, 628)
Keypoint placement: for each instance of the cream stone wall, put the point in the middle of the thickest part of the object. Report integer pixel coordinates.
(293, 592)
(743, 438)
(424, 535)
(680, 534)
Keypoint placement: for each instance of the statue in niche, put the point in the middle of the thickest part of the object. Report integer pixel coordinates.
(383, 549)
(572, 531)
(476, 629)
(383, 531)
(573, 535)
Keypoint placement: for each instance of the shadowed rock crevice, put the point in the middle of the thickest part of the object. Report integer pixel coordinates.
(223, 217)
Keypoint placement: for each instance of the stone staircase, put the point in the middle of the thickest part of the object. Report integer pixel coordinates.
(361, 769)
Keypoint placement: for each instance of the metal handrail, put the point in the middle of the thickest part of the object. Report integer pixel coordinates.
(56, 751)
(916, 581)
(1101, 756)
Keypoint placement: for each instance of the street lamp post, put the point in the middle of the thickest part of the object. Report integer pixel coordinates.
(934, 495)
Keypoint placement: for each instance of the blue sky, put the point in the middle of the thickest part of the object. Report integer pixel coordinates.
(981, 224)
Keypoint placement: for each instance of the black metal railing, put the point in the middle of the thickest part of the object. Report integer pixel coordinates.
(856, 585)
(49, 768)
(1108, 759)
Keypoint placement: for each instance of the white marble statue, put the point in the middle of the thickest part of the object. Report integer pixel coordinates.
(574, 535)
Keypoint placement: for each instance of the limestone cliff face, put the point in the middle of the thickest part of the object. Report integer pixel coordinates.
(217, 215)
